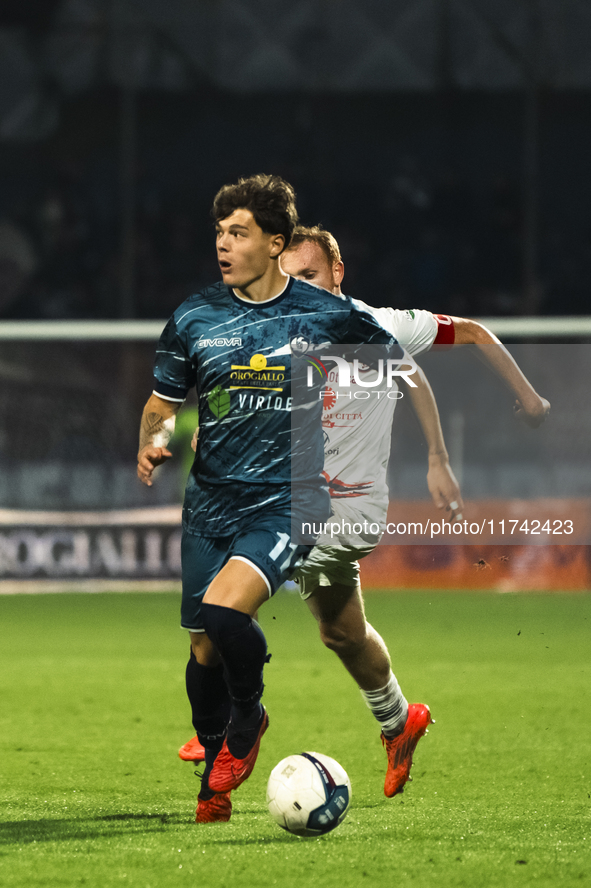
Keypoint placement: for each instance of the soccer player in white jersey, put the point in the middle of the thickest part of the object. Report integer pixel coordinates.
(329, 580)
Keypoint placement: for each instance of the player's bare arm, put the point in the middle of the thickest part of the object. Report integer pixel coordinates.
(530, 407)
(441, 481)
(156, 429)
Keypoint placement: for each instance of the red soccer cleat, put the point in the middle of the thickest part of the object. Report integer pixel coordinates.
(214, 810)
(400, 748)
(192, 751)
(229, 772)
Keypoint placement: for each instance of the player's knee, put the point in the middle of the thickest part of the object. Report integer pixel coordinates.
(221, 622)
(203, 650)
(231, 631)
(343, 639)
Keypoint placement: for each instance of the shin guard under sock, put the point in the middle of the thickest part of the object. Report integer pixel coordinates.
(210, 702)
(243, 649)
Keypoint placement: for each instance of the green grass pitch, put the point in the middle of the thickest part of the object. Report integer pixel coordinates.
(93, 710)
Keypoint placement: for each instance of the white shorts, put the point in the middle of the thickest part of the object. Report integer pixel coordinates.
(330, 564)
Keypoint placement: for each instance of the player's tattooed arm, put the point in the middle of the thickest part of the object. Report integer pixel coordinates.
(156, 429)
(530, 407)
(441, 481)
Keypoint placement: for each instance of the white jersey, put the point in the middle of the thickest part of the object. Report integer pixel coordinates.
(357, 431)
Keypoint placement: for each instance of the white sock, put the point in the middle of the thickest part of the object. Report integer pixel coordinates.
(389, 707)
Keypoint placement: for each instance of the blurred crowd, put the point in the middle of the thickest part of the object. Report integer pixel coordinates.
(60, 256)
(412, 233)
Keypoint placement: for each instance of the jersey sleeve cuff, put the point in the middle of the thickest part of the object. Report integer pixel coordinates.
(169, 392)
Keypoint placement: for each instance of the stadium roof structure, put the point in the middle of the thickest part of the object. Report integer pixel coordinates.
(295, 45)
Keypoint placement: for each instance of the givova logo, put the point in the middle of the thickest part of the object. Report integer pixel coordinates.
(220, 342)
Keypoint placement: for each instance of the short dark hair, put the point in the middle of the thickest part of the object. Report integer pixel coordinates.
(316, 234)
(270, 199)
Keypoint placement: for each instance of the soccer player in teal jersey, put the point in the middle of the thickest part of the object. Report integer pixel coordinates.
(233, 342)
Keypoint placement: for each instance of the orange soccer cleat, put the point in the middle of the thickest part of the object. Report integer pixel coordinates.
(229, 772)
(400, 749)
(217, 809)
(192, 751)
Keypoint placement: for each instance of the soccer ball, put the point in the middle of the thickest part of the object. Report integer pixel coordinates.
(308, 794)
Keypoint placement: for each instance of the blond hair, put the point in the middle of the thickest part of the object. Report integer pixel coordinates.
(316, 234)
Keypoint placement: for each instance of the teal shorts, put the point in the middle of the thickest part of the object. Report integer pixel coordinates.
(264, 544)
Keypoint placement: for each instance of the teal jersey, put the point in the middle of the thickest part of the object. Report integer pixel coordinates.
(240, 356)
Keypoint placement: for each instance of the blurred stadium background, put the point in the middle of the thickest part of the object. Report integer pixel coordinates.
(446, 143)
